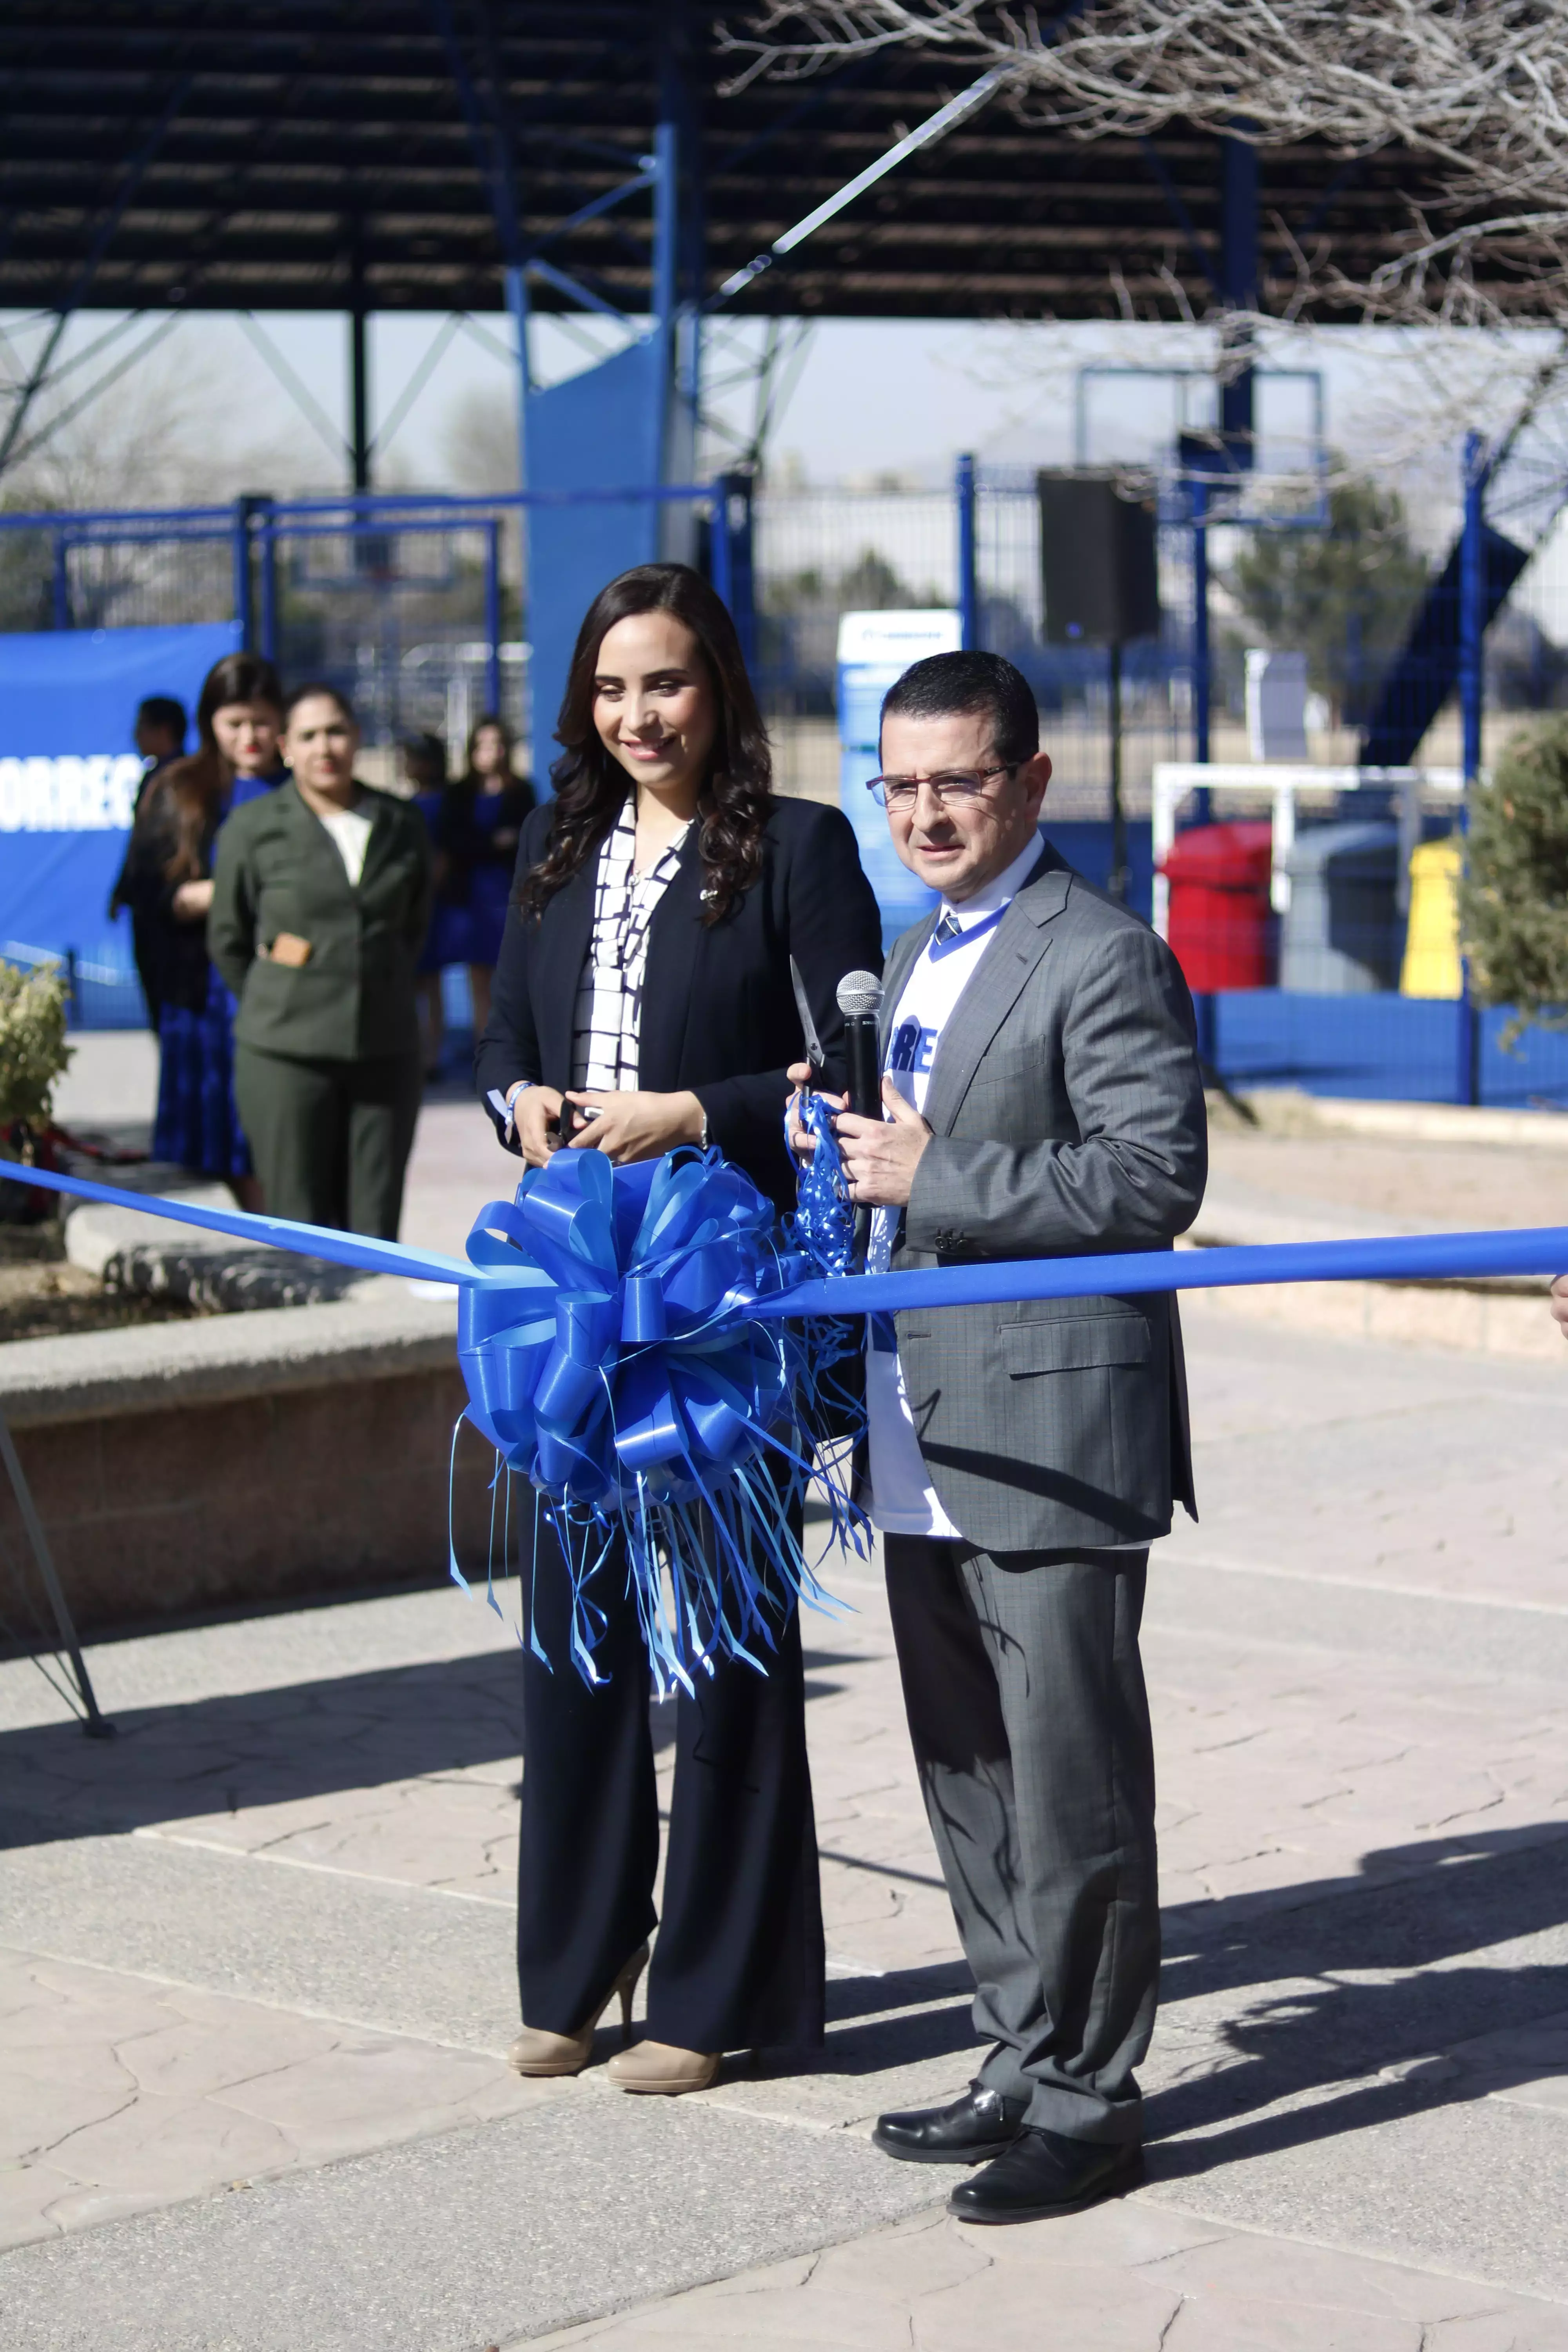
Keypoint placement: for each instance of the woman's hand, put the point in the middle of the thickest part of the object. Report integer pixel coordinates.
(801, 1142)
(193, 901)
(637, 1126)
(534, 1112)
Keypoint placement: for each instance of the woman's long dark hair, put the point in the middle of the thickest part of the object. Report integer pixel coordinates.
(196, 785)
(591, 787)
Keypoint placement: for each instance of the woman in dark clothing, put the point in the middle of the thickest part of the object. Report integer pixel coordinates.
(160, 737)
(167, 884)
(480, 828)
(643, 997)
(425, 768)
(320, 903)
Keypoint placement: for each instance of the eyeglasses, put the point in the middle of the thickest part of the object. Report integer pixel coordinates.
(956, 790)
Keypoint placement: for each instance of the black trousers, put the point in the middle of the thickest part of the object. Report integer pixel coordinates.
(330, 1139)
(739, 1963)
(1024, 1694)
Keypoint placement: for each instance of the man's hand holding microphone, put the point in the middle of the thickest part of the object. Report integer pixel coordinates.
(880, 1136)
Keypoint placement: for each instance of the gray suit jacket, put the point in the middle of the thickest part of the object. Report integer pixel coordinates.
(1068, 1111)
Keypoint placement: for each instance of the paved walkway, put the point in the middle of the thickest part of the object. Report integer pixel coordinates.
(255, 1978)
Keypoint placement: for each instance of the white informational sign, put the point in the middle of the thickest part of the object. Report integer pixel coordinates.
(874, 651)
(1275, 705)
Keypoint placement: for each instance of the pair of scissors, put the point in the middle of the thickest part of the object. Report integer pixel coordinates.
(814, 1052)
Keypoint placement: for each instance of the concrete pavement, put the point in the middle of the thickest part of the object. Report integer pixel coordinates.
(257, 1976)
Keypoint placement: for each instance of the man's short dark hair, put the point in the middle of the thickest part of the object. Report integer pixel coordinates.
(163, 710)
(951, 686)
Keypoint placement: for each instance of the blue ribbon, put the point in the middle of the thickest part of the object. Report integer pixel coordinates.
(616, 1367)
(1396, 1257)
(662, 1362)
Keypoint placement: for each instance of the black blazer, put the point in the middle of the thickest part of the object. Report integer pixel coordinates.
(718, 1014)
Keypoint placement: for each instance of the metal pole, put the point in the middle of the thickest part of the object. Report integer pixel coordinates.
(268, 550)
(665, 280)
(1472, 609)
(721, 547)
(244, 597)
(1200, 497)
(492, 615)
(1472, 625)
(62, 582)
(517, 304)
(359, 400)
(1117, 878)
(734, 570)
(1238, 283)
(968, 577)
(96, 1725)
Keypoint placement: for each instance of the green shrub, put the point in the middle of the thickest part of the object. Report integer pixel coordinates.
(33, 1049)
(1513, 900)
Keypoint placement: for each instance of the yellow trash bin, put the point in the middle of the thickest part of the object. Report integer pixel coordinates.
(1431, 966)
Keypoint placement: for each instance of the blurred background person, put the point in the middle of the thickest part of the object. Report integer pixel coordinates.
(167, 885)
(159, 736)
(321, 900)
(486, 810)
(446, 940)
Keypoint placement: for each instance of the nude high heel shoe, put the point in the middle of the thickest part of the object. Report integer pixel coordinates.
(660, 2067)
(535, 2052)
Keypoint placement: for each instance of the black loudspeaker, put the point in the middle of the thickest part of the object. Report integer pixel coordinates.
(1098, 563)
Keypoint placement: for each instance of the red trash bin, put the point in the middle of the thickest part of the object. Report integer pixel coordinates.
(1221, 924)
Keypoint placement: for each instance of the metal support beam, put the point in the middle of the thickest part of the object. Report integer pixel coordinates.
(135, 172)
(968, 569)
(359, 399)
(1472, 606)
(1116, 884)
(936, 126)
(517, 304)
(734, 578)
(1472, 691)
(1238, 292)
(1199, 493)
(492, 617)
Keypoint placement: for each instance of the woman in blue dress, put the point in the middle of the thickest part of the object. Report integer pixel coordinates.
(482, 827)
(168, 882)
(446, 942)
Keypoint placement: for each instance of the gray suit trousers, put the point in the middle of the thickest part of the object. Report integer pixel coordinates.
(1024, 1694)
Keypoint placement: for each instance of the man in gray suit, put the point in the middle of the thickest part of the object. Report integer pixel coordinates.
(1043, 1099)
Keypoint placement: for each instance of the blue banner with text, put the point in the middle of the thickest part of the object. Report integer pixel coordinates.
(68, 771)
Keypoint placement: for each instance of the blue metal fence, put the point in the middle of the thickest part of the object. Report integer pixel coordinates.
(416, 604)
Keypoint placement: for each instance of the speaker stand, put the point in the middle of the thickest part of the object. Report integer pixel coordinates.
(96, 1724)
(1116, 884)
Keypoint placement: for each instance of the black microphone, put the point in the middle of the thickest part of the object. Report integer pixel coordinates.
(860, 996)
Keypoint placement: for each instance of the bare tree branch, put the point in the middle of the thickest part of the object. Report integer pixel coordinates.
(1479, 92)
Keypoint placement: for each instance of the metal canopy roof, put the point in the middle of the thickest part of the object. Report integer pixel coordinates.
(340, 155)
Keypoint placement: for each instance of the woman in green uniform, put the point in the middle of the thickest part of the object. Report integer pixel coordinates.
(320, 897)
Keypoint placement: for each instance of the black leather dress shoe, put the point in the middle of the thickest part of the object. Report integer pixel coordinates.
(981, 2124)
(1043, 2173)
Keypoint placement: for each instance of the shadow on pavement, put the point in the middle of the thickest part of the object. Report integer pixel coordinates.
(272, 1746)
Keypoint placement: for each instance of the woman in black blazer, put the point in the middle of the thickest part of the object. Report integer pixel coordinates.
(643, 999)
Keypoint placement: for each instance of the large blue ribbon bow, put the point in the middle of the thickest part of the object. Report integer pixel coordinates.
(616, 1364)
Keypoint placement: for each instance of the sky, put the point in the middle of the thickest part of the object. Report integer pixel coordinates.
(875, 402)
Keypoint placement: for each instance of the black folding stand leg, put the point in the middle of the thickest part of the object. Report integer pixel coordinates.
(96, 1725)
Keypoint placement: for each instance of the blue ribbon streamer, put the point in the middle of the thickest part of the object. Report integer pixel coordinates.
(1396, 1257)
(662, 1362)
